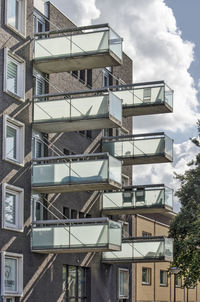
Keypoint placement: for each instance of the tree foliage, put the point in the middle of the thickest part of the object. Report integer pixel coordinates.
(185, 227)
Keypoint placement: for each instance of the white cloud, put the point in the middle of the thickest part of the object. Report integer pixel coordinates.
(81, 12)
(164, 173)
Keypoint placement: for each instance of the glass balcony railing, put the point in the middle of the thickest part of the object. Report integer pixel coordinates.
(85, 112)
(87, 172)
(145, 98)
(140, 148)
(142, 249)
(86, 47)
(76, 235)
(139, 200)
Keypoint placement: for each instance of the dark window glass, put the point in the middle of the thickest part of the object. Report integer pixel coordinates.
(82, 76)
(89, 78)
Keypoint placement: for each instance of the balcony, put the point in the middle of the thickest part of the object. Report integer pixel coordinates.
(76, 235)
(145, 98)
(142, 249)
(139, 200)
(78, 48)
(86, 112)
(140, 149)
(88, 172)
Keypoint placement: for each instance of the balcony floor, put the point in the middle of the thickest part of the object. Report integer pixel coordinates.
(140, 160)
(62, 250)
(146, 109)
(166, 211)
(76, 187)
(76, 125)
(78, 62)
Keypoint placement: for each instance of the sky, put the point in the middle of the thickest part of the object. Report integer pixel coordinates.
(162, 39)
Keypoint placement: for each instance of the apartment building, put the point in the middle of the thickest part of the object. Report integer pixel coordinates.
(67, 99)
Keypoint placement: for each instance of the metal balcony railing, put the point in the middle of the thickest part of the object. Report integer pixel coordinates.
(139, 200)
(78, 48)
(142, 249)
(88, 172)
(140, 149)
(76, 235)
(69, 113)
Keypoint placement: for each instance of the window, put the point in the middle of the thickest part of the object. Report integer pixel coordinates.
(163, 278)
(39, 83)
(39, 23)
(74, 283)
(9, 299)
(37, 207)
(14, 75)
(82, 76)
(178, 281)
(125, 230)
(140, 195)
(16, 16)
(89, 78)
(13, 140)
(125, 180)
(11, 274)
(146, 276)
(12, 207)
(146, 234)
(37, 145)
(123, 283)
(107, 77)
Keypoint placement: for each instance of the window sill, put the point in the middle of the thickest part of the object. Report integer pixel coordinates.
(14, 162)
(16, 31)
(12, 229)
(163, 285)
(15, 96)
(8, 295)
(147, 284)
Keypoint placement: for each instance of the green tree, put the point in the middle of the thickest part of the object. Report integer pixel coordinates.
(185, 227)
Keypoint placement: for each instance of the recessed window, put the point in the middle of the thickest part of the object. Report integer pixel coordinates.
(14, 75)
(9, 299)
(11, 274)
(16, 15)
(123, 283)
(12, 207)
(74, 283)
(146, 234)
(163, 278)
(178, 281)
(13, 140)
(146, 276)
(39, 23)
(37, 145)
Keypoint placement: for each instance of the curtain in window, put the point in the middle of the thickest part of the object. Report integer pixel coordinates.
(12, 76)
(10, 274)
(10, 208)
(11, 142)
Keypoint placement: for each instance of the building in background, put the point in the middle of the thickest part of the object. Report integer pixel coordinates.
(67, 150)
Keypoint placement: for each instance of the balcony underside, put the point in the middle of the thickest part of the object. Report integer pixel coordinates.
(76, 187)
(139, 210)
(76, 125)
(140, 160)
(146, 109)
(134, 260)
(86, 249)
(78, 62)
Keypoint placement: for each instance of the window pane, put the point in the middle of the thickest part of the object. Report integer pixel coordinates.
(123, 283)
(11, 141)
(10, 208)
(71, 281)
(38, 149)
(10, 274)
(13, 13)
(12, 76)
(81, 282)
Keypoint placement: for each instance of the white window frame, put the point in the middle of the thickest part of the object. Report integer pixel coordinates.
(19, 258)
(41, 19)
(6, 299)
(21, 67)
(121, 297)
(21, 31)
(37, 137)
(19, 193)
(20, 143)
